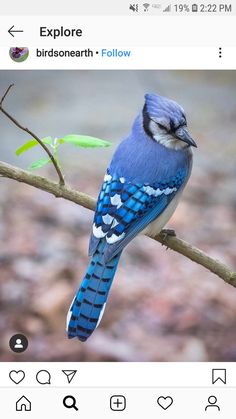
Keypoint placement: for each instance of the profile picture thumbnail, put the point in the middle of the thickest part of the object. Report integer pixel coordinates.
(19, 54)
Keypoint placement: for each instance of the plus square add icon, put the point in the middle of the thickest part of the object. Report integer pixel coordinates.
(118, 403)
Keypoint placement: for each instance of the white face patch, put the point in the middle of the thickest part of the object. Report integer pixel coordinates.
(166, 139)
(170, 142)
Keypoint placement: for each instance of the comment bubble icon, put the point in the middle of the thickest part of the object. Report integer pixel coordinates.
(43, 377)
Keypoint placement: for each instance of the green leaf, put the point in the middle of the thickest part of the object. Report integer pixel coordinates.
(31, 144)
(39, 163)
(26, 147)
(85, 141)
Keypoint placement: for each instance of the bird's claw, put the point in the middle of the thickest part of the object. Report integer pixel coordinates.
(167, 232)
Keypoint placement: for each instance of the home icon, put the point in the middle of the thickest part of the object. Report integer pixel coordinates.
(23, 404)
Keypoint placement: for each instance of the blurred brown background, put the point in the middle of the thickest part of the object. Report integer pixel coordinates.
(162, 306)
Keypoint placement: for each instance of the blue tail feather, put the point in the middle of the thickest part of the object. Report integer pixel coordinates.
(89, 303)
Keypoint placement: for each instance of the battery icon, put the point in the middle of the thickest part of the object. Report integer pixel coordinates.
(194, 7)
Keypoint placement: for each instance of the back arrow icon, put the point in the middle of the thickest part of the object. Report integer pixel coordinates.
(12, 30)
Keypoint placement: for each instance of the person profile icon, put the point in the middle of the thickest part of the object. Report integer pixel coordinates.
(18, 344)
(212, 400)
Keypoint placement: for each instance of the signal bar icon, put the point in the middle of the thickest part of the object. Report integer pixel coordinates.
(167, 9)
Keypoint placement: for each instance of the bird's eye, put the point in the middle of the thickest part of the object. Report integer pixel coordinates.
(183, 121)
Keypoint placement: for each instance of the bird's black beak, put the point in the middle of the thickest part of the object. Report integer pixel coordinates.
(182, 134)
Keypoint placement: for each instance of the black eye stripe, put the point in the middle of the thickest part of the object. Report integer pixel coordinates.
(172, 126)
(146, 121)
(161, 126)
(180, 126)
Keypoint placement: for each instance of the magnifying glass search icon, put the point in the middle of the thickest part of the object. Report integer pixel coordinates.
(70, 402)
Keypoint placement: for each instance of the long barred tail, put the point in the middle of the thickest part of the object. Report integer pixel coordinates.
(89, 303)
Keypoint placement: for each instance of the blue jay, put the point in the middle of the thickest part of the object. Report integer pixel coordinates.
(140, 192)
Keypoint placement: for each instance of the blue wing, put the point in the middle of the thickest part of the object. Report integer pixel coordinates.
(126, 208)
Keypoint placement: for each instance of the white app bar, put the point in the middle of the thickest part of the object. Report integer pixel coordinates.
(137, 32)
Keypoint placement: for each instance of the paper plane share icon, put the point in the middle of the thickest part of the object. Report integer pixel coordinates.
(69, 374)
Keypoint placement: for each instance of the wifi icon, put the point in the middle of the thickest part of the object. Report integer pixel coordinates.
(146, 6)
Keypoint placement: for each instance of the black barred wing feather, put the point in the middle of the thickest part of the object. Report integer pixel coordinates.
(125, 208)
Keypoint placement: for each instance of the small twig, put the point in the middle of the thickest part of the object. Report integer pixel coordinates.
(53, 160)
(172, 242)
(6, 93)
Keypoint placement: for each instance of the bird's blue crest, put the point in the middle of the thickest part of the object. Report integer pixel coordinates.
(161, 108)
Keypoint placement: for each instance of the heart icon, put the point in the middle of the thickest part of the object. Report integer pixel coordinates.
(17, 376)
(165, 402)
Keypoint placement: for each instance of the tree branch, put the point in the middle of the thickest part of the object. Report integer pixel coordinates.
(50, 155)
(172, 242)
(59, 191)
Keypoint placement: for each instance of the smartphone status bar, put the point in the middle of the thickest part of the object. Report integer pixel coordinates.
(123, 7)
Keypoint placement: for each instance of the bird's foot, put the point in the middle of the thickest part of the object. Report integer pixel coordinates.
(168, 232)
